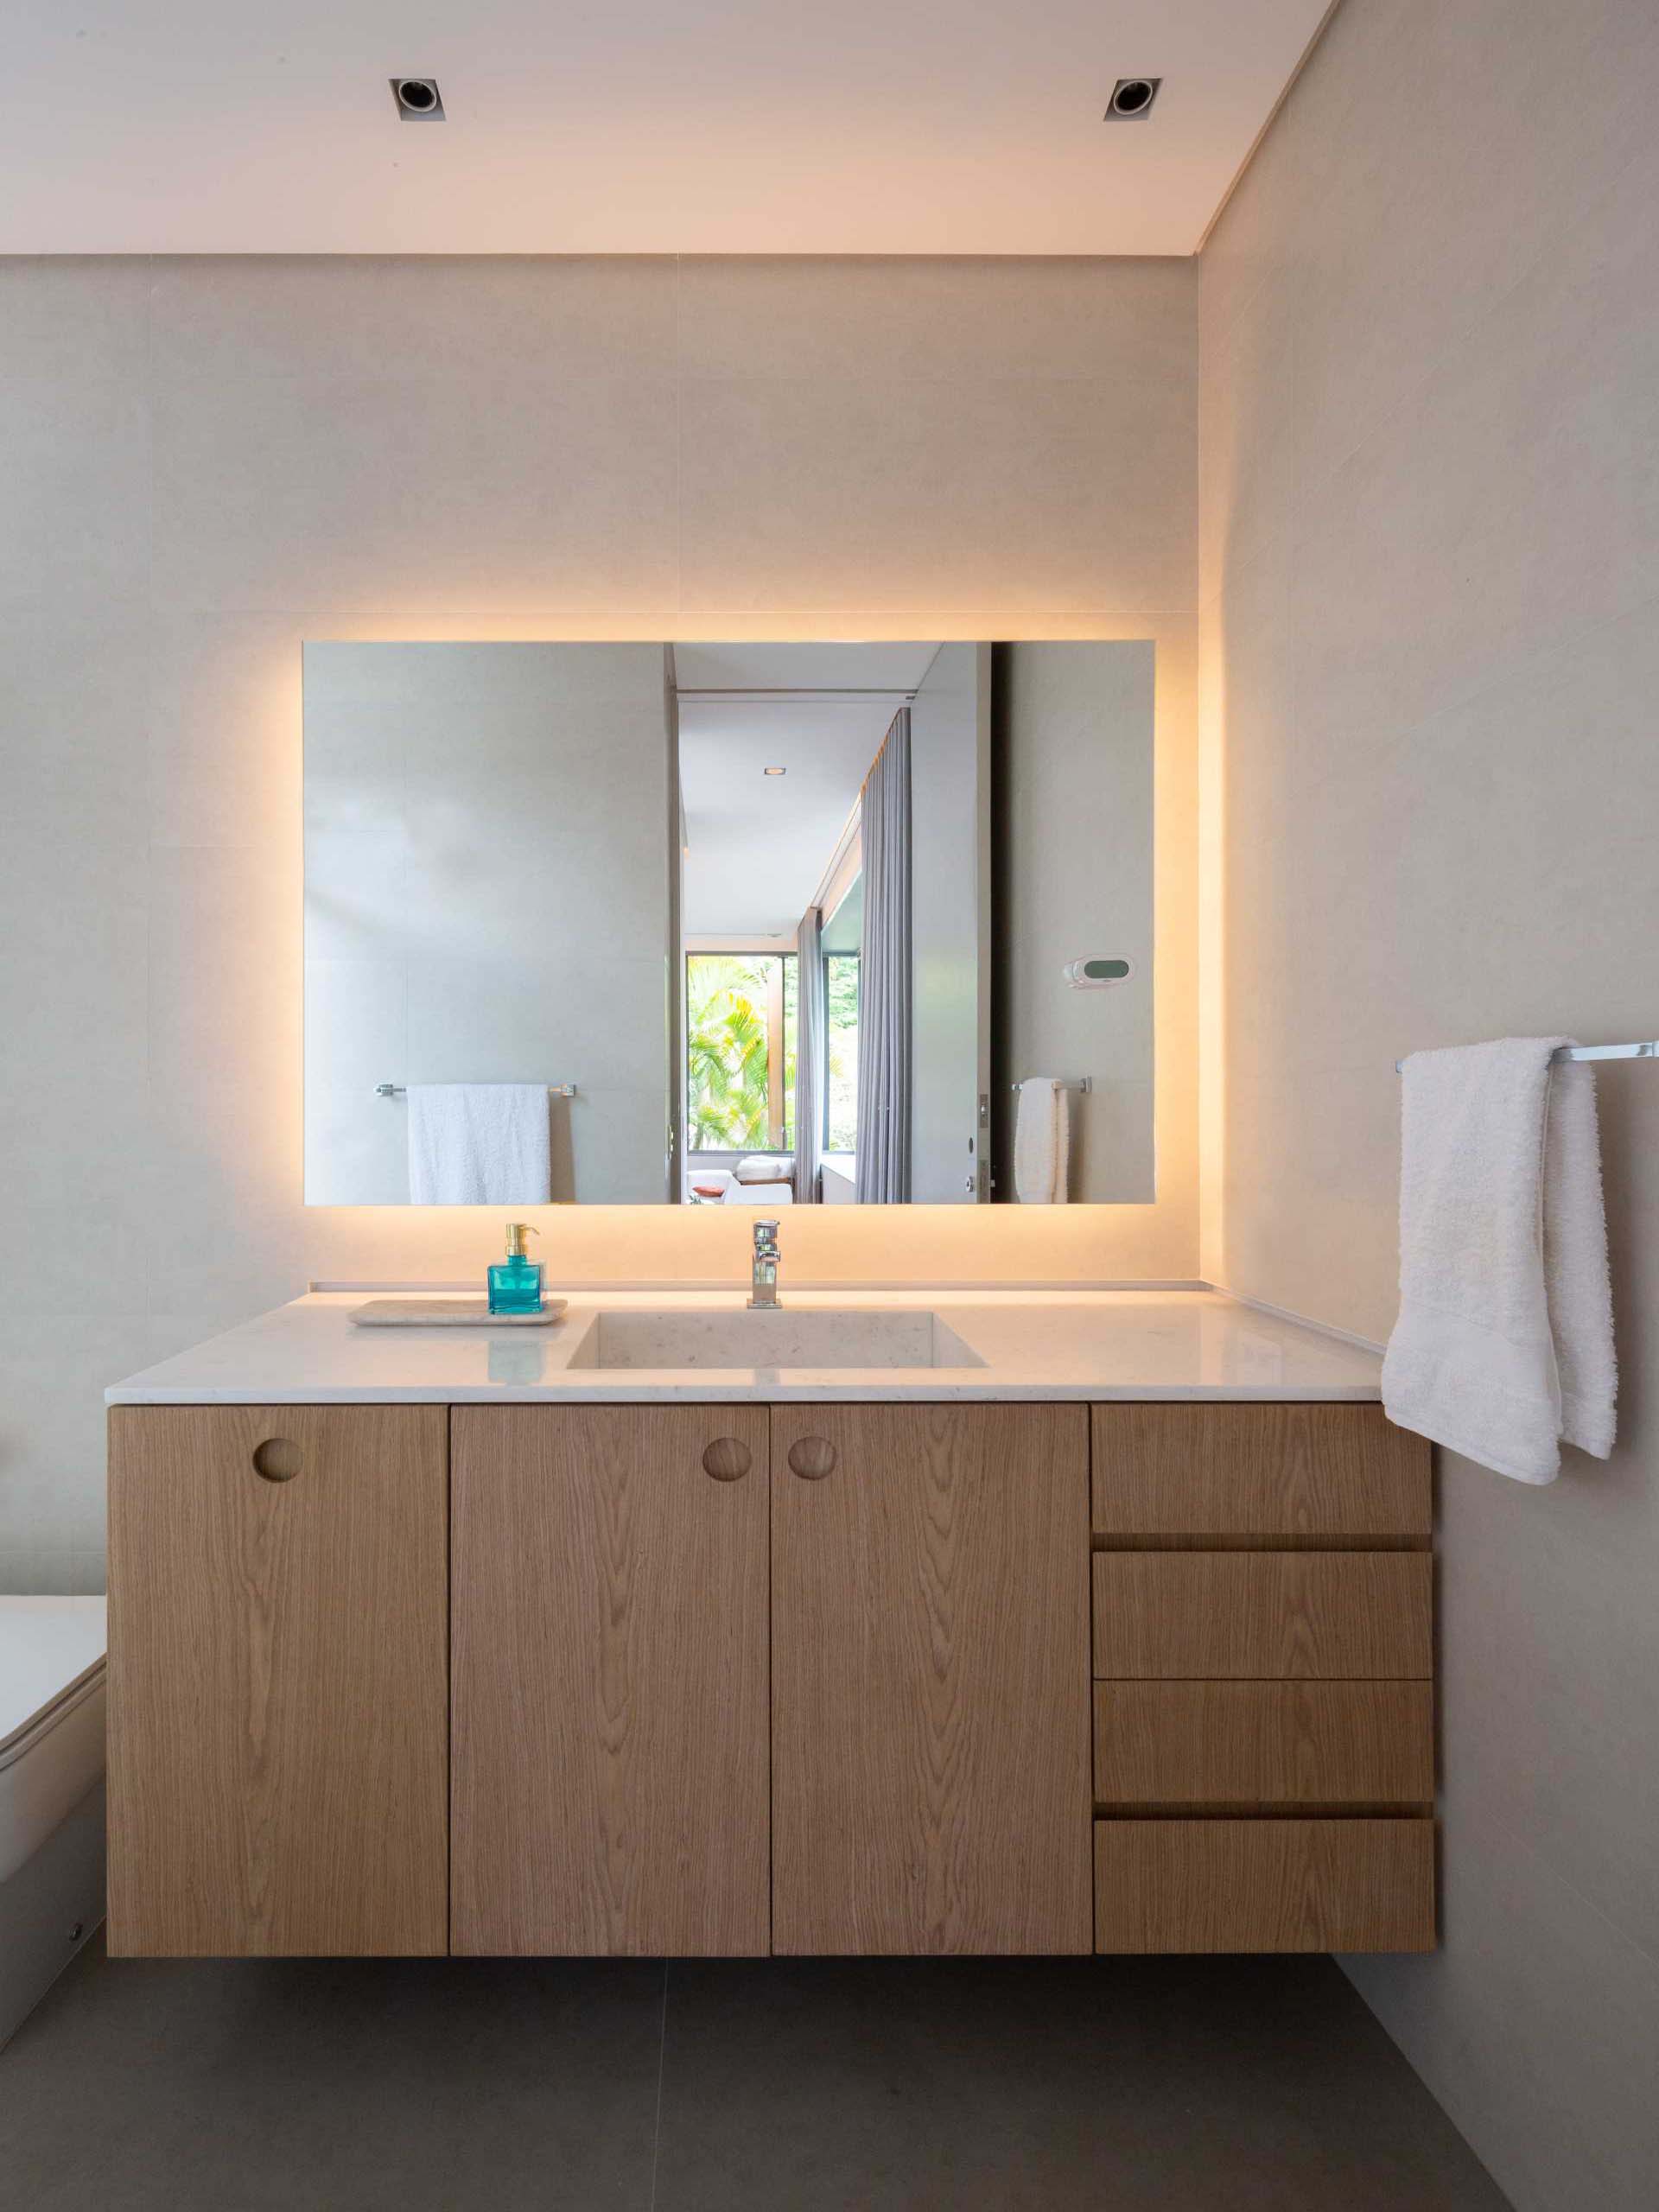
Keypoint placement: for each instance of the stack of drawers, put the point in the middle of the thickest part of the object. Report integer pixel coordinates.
(1263, 1701)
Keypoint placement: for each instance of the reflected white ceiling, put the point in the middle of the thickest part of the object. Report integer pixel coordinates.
(758, 845)
(825, 665)
(643, 126)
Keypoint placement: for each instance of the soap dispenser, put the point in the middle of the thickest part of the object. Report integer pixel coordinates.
(516, 1281)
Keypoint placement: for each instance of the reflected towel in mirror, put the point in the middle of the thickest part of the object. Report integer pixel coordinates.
(479, 1144)
(1042, 1142)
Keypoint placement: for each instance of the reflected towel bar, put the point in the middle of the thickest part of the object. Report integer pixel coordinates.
(1646, 1049)
(396, 1090)
(1065, 1082)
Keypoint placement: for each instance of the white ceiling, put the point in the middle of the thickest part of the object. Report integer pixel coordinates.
(757, 846)
(636, 126)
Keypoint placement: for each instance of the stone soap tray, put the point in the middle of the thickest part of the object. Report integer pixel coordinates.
(449, 1313)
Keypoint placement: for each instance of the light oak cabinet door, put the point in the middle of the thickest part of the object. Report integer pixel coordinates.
(931, 1730)
(277, 1724)
(609, 1681)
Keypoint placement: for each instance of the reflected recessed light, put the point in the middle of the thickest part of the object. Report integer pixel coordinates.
(774, 772)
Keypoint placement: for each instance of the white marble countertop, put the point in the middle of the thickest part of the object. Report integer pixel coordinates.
(1030, 1343)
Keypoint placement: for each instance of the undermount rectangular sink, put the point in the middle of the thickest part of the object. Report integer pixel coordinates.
(810, 1337)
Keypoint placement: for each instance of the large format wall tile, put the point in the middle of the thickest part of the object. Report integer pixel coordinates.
(1585, 1783)
(956, 321)
(238, 319)
(1247, 440)
(1512, 500)
(519, 487)
(1433, 693)
(1018, 492)
(225, 971)
(1563, 2111)
(73, 1032)
(224, 701)
(53, 1372)
(1500, 184)
(74, 433)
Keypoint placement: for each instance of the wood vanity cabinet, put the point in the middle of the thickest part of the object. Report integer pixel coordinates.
(609, 1680)
(277, 1732)
(670, 1678)
(930, 1724)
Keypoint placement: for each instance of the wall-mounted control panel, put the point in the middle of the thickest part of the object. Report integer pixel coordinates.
(1097, 975)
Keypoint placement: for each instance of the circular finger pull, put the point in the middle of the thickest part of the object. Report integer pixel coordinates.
(812, 1457)
(277, 1460)
(726, 1458)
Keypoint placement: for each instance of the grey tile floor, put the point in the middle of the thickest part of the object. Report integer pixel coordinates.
(808, 2086)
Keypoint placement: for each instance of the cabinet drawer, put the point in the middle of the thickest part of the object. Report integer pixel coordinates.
(1264, 1743)
(1209, 1616)
(1264, 1885)
(1293, 1474)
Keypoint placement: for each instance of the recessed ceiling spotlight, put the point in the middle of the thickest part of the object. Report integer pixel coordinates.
(418, 98)
(774, 772)
(1132, 98)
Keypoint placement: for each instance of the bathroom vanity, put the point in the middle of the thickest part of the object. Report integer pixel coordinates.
(1045, 1623)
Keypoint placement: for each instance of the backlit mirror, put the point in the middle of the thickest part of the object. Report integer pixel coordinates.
(728, 924)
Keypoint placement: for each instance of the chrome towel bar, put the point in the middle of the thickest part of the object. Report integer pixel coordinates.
(1646, 1049)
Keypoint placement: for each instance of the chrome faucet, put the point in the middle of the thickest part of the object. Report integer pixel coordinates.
(763, 1292)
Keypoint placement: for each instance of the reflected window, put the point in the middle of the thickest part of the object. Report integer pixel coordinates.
(840, 1039)
(739, 1050)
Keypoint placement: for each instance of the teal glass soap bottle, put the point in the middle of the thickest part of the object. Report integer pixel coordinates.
(516, 1281)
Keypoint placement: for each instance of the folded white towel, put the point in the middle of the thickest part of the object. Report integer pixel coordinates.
(479, 1144)
(1042, 1142)
(1505, 1342)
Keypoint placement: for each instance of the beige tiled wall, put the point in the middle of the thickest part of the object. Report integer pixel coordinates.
(206, 462)
(1430, 584)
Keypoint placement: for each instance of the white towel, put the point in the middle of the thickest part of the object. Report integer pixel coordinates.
(1505, 1342)
(479, 1144)
(1042, 1142)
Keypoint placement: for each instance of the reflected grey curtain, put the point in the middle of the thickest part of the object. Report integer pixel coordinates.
(884, 1044)
(810, 1064)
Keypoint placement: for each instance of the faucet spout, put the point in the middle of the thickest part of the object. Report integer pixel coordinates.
(763, 1287)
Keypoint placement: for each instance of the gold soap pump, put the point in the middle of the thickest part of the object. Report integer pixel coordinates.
(516, 1282)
